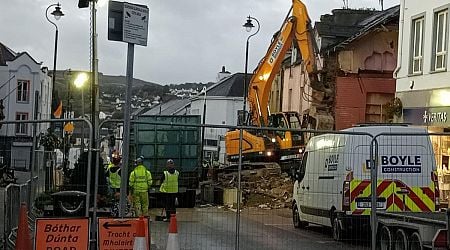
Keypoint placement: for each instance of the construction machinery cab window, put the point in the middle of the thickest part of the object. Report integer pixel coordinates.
(293, 120)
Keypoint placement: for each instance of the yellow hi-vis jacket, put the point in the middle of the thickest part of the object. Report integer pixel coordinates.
(114, 177)
(140, 179)
(170, 183)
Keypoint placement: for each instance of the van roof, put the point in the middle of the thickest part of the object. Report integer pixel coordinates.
(378, 129)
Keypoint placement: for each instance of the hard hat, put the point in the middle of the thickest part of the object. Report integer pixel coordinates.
(140, 159)
(170, 162)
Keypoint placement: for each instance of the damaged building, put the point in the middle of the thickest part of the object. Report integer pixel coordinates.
(357, 54)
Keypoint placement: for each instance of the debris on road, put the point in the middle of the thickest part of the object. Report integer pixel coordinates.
(265, 188)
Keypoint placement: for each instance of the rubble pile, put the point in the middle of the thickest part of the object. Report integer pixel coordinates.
(264, 188)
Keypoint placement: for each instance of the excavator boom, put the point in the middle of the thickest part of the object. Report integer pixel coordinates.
(296, 27)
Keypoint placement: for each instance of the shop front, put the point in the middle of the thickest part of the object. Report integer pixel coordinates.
(436, 120)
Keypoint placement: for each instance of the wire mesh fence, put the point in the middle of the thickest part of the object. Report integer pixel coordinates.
(261, 188)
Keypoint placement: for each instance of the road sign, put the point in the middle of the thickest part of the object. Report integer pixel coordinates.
(62, 233)
(118, 233)
(135, 24)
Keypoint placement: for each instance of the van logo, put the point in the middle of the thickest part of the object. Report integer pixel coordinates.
(331, 162)
(400, 164)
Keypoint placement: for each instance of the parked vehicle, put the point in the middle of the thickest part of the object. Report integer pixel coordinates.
(332, 186)
(414, 231)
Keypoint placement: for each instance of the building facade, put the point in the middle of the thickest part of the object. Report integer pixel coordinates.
(423, 74)
(357, 56)
(223, 102)
(26, 93)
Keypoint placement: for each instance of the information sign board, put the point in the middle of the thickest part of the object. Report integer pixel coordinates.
(62, 233)
(116, 234)
(135, 24)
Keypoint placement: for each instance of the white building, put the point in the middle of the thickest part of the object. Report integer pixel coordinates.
(26, 93)
(422, 74)
(223, 101)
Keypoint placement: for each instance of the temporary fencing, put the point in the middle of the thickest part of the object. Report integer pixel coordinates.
(314, 193)
(34, 160)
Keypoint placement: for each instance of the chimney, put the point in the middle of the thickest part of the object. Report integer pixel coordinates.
(223, 74)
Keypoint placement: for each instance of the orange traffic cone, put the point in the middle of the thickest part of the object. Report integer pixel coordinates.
(172, 241)
(23, 240)
(140, 242)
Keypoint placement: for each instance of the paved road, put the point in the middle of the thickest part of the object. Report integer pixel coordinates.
(214, 228)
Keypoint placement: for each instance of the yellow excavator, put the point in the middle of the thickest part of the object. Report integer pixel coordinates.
(283, 147)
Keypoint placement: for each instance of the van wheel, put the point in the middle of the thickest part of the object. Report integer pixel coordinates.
(385, 238)
(296, 218)
(401, 242)
(415, 242)
(338, 233)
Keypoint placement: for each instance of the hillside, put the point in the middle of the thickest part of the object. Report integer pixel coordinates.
(112, 88)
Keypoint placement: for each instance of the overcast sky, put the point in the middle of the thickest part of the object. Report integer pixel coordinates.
(189, 40)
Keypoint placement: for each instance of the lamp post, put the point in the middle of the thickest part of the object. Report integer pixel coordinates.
(79, 83)
(203, 133)
(57, 13)
(248, 25)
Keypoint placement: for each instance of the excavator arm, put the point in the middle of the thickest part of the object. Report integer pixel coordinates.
(295, 28)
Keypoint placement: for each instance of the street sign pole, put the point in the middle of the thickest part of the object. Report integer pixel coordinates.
(126, 132)
(128, 23)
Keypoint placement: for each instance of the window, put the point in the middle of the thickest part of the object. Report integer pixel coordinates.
(440, 43)
(21, 128)
(417, 39)
(23, 91)
(209, 142)
(302, 170)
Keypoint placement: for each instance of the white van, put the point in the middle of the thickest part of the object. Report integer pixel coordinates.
(332, 186)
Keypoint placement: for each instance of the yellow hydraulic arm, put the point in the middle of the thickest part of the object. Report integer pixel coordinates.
(297, 26)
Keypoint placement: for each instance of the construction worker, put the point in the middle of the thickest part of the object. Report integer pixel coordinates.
(169, 187)
(114, 180)
(140, 183)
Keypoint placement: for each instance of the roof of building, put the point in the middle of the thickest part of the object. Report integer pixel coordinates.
(371, 22)
(346, 25)
(172, 107)
(6, 54)
(231, 86)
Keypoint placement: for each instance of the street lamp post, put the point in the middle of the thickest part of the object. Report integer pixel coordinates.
(203, 133)
(248, 27)
(57, 13)
(79, 83)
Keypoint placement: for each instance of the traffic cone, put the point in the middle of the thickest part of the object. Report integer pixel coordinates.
(172, 241)
(23, 240)
(140, 242)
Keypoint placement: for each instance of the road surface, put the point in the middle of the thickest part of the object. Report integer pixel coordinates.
(214, 228)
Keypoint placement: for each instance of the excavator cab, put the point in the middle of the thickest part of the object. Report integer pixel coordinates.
(291, 142)
(287, 121)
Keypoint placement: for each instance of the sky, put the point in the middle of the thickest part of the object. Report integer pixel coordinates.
(188, 40)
